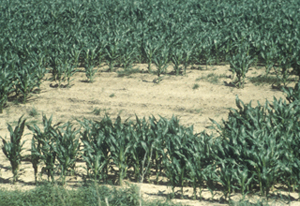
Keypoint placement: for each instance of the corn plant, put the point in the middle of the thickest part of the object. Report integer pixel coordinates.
(243, 177)
(43, 147)
(200, 158)
(35, 155)
(119, 138)
(282, 71)
(177, 60)
(239, 65)
(160, 130)
(66, 149)
(6, 87)
(90, 61)
(187, 57)
(38, 62)
(150, 51)
(128, 57)
(13, 149)
(143, 141)
(95, 151)
(269, 55)
(26, 81)
(57, 70)
(112, 54)
(161, 60)
(176, 157)
(225, 176)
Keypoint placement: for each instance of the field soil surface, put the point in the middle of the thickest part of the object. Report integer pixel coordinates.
(194, 98)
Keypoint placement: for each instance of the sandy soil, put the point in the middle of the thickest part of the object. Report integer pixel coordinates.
(140, 94)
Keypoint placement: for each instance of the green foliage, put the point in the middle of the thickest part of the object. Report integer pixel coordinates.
(257, 139)
(43, 147)
(292, 94)
(47, 194)
(13, 149)
(161, 60)
(95, 151)
(26, 81)
(90, 61)
(6, 85)
(66, 149)
(239, 65)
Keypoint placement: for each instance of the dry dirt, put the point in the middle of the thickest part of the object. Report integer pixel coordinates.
(140, 94)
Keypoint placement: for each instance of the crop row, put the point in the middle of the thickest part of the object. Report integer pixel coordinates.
(255, 150)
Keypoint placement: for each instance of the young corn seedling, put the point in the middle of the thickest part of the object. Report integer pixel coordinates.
(57, 70)
(239, 65)
(187, 56)
(90, 63)
(13, 149)
(161, 60)
(149, 51)
(177, 59)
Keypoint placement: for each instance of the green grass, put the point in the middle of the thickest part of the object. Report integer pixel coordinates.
(47, 194)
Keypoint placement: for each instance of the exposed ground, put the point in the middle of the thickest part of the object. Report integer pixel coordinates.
(194, 98)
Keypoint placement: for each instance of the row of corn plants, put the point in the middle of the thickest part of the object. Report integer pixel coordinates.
(121, 33)
(256, 150)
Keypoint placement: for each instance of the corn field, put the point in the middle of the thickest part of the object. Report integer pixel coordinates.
(254, 150)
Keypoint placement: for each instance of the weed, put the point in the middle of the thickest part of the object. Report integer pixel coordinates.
(196, 86)
(33, 112)
(128, 72)
(212, 78)
(96, 111)
(262, 80)
(112, 95)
